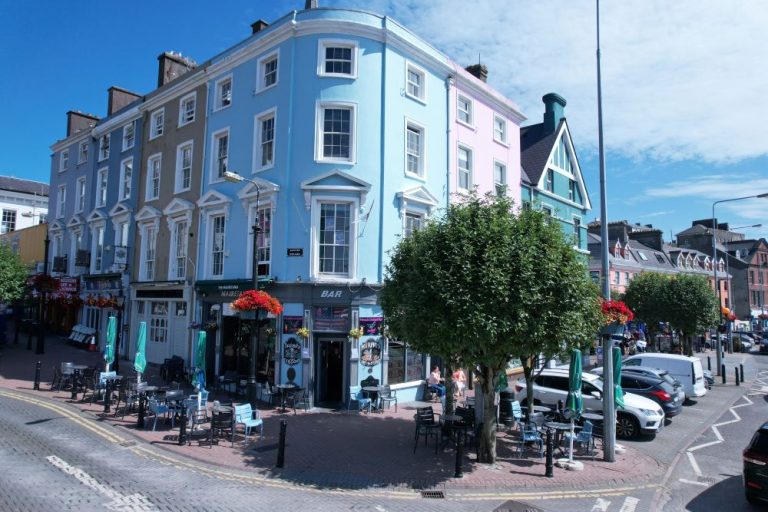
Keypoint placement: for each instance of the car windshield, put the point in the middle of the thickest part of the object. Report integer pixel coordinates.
(598, 383)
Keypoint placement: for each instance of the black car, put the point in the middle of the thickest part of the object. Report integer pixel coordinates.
(756, 466)
(654, 388)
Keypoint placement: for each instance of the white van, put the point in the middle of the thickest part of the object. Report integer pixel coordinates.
(687, 370)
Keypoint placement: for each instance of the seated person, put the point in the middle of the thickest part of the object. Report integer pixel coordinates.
(436, 382)
(460, 382)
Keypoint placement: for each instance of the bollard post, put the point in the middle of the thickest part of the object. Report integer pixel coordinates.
(736, 369)
(183, 424)
(550, 448)
(709, 363)
(140, 422)
(459, 472)
(281, 444)
(741, 371)
(107, 395)
(37, 376)
(722, 372)
(75, 380)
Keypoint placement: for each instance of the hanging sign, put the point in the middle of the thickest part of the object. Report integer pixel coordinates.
(370, 352)
(292, 352)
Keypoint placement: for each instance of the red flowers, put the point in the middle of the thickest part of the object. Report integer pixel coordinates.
(615, 311)
(251, 300)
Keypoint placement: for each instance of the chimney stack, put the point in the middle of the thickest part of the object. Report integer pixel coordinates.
(554, 111)
(172, 65)
(310, 4)
(258, 26)
(118, 98)
(78, 121)
(478, 70)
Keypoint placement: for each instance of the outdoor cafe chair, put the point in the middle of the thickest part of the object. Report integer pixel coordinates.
(356, 395)
(222, 424)
(250, 419)
(583, 438)
(387, 396)
(156, 408)
(268, 394)
(530, 434)
(126, 395)
(426, 425)
(298, 397)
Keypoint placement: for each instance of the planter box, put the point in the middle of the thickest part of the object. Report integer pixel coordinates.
(611, 329)
(248, 315)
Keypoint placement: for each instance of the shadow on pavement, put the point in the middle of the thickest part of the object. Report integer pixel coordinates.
(727, 494)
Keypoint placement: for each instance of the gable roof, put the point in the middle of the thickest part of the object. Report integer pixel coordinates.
(23, 186)
(535, 147)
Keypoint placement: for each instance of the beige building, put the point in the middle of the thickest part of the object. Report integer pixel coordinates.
(29, 244)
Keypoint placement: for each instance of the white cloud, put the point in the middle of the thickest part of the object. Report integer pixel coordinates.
(681, 80)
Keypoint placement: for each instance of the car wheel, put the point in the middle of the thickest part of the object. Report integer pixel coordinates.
(627, 427)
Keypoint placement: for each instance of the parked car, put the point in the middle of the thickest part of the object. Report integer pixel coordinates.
(677, 387)
(639, 415)
(687, 370)
(653, 388)
(764, 345)
(756, 466)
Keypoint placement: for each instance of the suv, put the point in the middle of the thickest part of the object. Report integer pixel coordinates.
(650, 372)
(756, 466)
(639, 415)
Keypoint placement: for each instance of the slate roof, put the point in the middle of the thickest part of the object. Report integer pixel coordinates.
(524, 177)
(24, 186)
(535, 146)
(635, 261)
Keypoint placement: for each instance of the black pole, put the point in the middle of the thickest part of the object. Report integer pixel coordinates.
(741, 369)
(550, 448)
(252, 387)
(459, 472)
(140, 422)
(75, 380)
(709, 363)
(183, 424)
(119, 334)
(37, 376)
(736, 369)
(722, 372)
(281, 444)
(107, 396)
(41, 327)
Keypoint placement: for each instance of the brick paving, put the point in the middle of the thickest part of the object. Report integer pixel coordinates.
(333, 449)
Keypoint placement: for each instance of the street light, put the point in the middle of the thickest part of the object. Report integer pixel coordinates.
(40, 349)
(120, 301)
(252, 386)
(714, 264)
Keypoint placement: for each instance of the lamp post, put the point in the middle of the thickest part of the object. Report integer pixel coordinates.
(120, 303)
(252, 385)
(41, 313)
(714, 264)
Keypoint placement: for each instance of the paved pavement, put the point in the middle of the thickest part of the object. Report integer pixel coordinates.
(331, 449)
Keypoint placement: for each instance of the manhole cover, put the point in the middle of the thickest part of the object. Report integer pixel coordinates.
(517, 506)
(440, 495)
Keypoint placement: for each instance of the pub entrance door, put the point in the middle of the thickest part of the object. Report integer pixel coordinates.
(330, 370)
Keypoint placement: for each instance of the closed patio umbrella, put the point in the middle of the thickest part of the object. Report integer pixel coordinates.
(199, 378)
(109, 348)
(140, 361)
(575, 402)
(618, 393)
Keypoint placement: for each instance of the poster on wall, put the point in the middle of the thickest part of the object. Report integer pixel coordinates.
(331, 318)
(370, 352)
(292, 351)
(291, 324)
(372, 326)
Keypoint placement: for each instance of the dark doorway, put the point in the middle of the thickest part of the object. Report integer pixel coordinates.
(330, 371)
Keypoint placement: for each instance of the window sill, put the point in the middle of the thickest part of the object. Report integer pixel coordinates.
(417, 99)
(185, 124)
(265, 168)
(264, 89)
(153, 137)
(334, 161)
(416, 177)
(466, 125)
(337, 75)
(220, 108)
(501, 143)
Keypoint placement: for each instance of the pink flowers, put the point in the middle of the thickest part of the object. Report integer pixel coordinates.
(615, 311)
(252, 300)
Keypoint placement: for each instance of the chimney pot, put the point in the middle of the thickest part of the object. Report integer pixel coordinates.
(554, 111)
(258, 26)
(310, 4)
(478, 70)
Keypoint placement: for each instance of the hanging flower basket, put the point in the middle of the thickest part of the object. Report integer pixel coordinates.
(302, 332)
(612, 329)
(356, 333)
(252, 300)
(248, 314)
(616, 315)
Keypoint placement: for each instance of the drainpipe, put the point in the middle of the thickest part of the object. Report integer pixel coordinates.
(449, 82)
(380, 264)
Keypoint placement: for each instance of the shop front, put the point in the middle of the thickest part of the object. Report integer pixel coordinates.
(101, 296)
(164, 307)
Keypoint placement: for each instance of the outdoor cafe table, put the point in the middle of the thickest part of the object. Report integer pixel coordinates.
(592, 416)
(372, 392)
(560, 429)
(284, 389)
(455, 423)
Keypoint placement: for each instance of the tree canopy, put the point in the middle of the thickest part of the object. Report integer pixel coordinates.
(483, 285)
(13, 275)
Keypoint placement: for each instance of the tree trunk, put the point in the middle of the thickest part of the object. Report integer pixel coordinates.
(487, 451)
(528, 372)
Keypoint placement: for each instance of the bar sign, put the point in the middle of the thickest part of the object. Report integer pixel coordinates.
(295, 251)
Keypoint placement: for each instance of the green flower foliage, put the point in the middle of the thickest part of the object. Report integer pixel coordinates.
(13, 275)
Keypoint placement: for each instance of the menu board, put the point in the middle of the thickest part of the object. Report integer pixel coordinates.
(331, 318)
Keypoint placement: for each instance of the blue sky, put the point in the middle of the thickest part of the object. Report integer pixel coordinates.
(683, 82)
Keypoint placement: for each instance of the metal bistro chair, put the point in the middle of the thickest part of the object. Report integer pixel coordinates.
(222, 423)
(156, 408)
(298, 398)
(583, 438)
(356, 395)
(530, 434)
(250, 420)
(427, 426)
(387, 396)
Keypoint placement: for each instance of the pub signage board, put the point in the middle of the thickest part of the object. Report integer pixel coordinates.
(295, 251)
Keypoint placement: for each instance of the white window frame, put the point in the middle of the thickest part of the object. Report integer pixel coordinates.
(61, 201)
(149, 230)
(549, 181)
(178, 251)
(129, 141)
(182, 110)
(421, 97)
(209, 256)
(469, 111)
(497, 164)
(469, 171)
(75, 244)
(354, 204)
(500, 130)
(149, 194)
(126, 179)
(265, 239)
(221, 98)
(98, 231)
(572, 190)
(322, 44)
(258, 133)
(577, 235)
(408, 226)
(261, 75)
(64, 160)
(104, 148)
(156, 129)
(81, 191)
(215, 138)
(421, 173)
(179, 178)
(102, 187)
(82, 152)
(319, 124)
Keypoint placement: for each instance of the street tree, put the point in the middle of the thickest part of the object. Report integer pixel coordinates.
(648, 296)
(692, 306)
(482, 285)
(13, 275)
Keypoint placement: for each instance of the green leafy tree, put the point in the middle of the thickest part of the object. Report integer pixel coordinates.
(13, 275)
(648, 296)
(481, 286)
(693, 306)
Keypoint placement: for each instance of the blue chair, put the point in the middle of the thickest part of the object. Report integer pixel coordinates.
(583, 438)
(529, 434)
(356, 395)
(249, 419)
(517, 411)
(157, 409)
